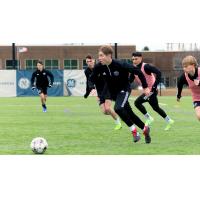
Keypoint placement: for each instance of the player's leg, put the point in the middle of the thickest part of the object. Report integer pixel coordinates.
(138, 103)
(123, 109)
(197, 109)
(43, 97)
(153, 101)
(106, 108)
(139, 123)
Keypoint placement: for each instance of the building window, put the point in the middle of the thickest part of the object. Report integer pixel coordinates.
(31, 64)
(70, 64)
(84, 64)
(51, 64)
(9, 64)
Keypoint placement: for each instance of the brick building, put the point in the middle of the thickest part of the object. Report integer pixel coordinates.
(73, 57)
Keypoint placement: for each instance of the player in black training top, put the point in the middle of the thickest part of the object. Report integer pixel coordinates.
(104, 103)
(116, 77)
(153, 77)
(40, 81)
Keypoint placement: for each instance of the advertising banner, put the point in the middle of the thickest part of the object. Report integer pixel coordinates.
(24, 83)
(7, 83)
(74, 82)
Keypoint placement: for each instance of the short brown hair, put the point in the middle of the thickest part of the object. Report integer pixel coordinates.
(106, 49)
(40, 62)
(88, 56)
(189, 60)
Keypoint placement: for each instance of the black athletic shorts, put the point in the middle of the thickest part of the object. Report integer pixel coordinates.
(42, 90)
(196, 104)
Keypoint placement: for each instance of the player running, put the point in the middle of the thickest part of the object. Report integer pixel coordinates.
(116, 77)
(40, 81)
(190, 77)
(105, 104)
(153, 77)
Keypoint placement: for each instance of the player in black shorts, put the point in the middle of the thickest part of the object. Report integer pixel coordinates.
(105, 103)
(116, 77)
(40, 81)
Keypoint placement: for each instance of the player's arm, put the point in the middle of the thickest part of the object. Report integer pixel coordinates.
(131, 78)
(138, 72)
(88, 89)
(93, 77)
(50, 75)
(33, 80)
(151, 69)
(180, 83)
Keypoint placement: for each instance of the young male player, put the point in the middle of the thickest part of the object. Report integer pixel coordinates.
(190, 77)
(116, 77)
(153, 77)
(105, 104)
(40, 80)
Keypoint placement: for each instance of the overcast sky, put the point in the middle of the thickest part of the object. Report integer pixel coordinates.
(143, 23)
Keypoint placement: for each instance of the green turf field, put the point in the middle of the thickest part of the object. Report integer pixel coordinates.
(75, 126)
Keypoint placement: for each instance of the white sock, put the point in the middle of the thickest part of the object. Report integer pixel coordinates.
(117, 121)
(132, 128)
(167, 119)
(147, 115)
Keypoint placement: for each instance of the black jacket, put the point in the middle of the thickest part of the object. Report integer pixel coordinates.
(98, 84)
(116, 76)
(42, 78)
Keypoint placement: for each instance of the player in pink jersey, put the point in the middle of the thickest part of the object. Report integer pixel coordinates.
(149, 72)
(190, 77)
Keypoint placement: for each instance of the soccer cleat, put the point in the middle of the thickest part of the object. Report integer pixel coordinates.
(169, 124)
(118, 127)
(149, 121)
(44, 110)
(146, 132)
(136, 135)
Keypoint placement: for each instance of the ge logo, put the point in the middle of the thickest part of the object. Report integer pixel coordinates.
(71, 83)
(24, 83)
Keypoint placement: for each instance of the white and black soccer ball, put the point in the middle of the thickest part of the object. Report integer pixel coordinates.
(39, 145)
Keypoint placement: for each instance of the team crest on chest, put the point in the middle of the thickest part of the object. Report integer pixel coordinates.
(116, 73)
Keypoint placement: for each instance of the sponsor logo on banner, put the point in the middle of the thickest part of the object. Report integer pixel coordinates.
(24, 83)
(74, 82)
(71, 83)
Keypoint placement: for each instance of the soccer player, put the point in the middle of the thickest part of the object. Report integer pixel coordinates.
(105, 104)
(116, 77)
(190, 77)
(153, 77)
(40, 80)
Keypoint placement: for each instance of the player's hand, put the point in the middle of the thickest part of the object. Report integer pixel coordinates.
(33, 88)
(147, 91)
(196, 82)
(50, 86)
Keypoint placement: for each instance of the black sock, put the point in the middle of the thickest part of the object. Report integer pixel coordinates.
(44, 106)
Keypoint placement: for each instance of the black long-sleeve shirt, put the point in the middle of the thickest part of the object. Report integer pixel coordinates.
(148, 70)
(116, 76)
(98, 84)
(42, 78)
(88, 73)
(182, 81)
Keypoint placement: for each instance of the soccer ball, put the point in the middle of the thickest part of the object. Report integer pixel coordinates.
(39, 145)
